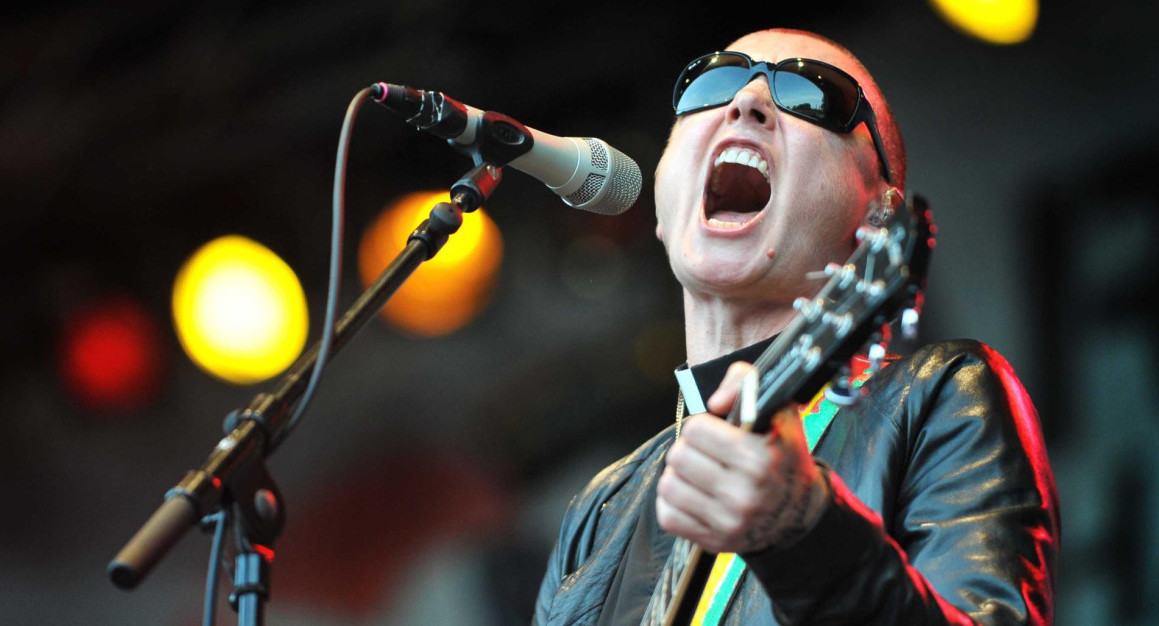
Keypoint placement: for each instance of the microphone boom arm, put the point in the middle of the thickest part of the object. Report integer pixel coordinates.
(234, 472)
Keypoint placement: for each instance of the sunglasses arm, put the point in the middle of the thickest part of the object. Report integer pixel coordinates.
(870, 119)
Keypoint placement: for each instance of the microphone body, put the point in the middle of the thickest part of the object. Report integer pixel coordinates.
(586, 173)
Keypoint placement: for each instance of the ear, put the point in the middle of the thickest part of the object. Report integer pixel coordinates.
(882, 208)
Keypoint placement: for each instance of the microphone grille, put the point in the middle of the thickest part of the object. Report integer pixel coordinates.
(599, 155)
(609, 194)
(587, 192)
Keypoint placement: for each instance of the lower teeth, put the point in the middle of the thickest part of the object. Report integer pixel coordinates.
(712, 221)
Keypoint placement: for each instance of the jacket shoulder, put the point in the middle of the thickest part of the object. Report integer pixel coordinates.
(961, 370)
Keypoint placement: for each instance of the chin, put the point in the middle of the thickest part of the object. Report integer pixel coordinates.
(722, 278)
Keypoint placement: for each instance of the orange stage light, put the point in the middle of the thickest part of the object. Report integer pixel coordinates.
(446, 292)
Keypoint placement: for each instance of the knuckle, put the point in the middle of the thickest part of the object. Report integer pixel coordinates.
(732, 526)
(755, 465)
(762, 476)
(766, 460)
(664, 516)
(666, 485)
(749, 501)
(748, 507)
(665, 523)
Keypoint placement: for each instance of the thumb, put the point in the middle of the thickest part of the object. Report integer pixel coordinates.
(721, 401)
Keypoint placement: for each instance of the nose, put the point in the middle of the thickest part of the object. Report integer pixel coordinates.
(753, 104)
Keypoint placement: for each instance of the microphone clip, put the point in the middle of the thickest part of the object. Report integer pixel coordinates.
(499, 140)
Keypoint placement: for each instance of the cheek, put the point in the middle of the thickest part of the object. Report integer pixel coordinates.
(847, 168)
(660, 194)
(664, 169)
(864, 157)
(672, 173)
(829, 192)
(687, 141)
(661, 179)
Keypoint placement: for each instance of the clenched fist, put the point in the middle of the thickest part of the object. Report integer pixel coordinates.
(730, 490)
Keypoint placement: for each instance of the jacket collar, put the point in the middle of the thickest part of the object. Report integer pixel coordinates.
(699, 381)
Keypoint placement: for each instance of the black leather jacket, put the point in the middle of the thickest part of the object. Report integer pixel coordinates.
(944, 510)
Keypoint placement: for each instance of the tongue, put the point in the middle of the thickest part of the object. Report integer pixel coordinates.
(736, 193)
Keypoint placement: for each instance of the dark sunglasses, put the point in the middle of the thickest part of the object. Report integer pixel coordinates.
(811, 90)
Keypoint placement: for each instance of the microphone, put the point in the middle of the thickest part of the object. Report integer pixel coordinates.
(585, 172)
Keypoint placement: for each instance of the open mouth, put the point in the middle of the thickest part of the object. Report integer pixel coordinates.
(738, 188)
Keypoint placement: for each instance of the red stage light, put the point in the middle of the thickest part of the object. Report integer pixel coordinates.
(111, 355)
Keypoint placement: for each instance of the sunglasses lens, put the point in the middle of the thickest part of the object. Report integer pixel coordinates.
(710, 81)
(815, 92)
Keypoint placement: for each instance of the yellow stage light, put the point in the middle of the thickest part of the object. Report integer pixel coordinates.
(445, 292)
(239, 310)
(992, 21)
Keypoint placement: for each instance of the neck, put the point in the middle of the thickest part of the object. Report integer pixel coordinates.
(714, 326)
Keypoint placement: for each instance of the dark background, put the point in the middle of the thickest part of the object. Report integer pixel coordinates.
(426, 483)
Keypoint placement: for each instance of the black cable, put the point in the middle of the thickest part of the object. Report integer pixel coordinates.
(214, 567)
(338, 205)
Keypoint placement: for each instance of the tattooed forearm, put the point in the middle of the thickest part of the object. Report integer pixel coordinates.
(785, 522)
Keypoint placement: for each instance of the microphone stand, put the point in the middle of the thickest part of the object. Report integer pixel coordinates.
(234, 477)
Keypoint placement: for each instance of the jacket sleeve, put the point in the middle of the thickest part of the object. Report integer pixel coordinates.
(973, 534)
(594, 534)
(556, 570)
(577, 537)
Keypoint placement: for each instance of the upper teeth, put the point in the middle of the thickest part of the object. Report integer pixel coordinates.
(743, 156)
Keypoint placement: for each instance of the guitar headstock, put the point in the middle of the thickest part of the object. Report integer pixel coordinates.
(885, 274)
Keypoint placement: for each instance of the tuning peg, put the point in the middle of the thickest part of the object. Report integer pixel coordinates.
(909, 323)
(876, 357)
(839, 392)
(830, 270)
(842, 323)
(808, 308)
(876, 237)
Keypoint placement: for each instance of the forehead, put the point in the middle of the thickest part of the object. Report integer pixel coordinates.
(776, 45)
